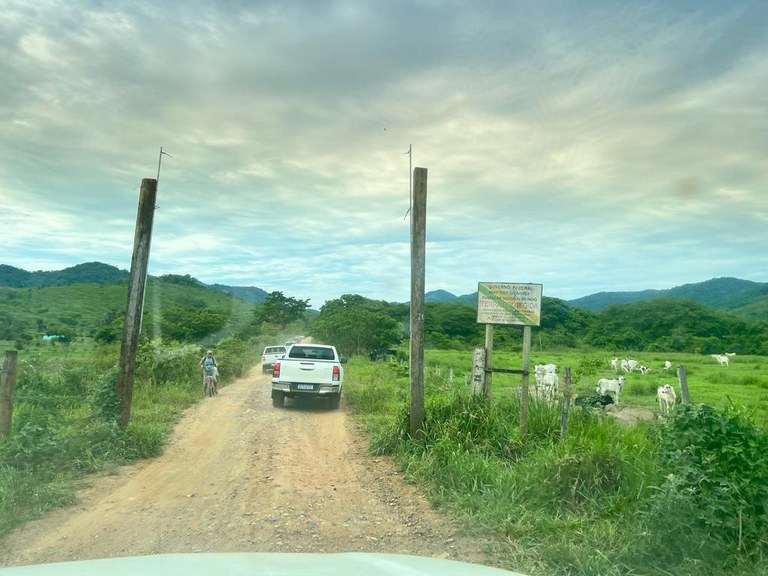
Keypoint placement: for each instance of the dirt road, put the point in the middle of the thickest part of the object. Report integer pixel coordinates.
(240, 475)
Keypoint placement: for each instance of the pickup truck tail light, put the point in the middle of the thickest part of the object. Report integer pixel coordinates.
(276, 370)
(336, 373)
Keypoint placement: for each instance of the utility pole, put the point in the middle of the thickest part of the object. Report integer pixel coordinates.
(160, 160)
(410, 184)
(418, 249)
(137, 281)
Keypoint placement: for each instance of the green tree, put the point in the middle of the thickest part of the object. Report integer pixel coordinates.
(280, 310)
(106, 334)
(451, 325)
(356, 325)
(188, 323)
(683, 325)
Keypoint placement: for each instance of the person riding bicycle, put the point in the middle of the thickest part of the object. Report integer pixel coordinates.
(210, 368)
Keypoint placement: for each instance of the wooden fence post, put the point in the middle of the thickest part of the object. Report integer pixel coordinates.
(488, 381)
(478, 372)
(7, 386)
(524, 388)
(566, 404)
(683, 379)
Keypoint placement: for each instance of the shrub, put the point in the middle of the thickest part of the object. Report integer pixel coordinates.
(713, 500)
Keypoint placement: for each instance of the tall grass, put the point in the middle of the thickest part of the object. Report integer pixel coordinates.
(599, 501)
(64, 424)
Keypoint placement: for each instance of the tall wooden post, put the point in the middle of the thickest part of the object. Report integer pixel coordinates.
(566, 393)
(524, 389)
(478, 372)
(418, 249)
(682, 378)
(136, 284)
(7, 386)
(488, 362)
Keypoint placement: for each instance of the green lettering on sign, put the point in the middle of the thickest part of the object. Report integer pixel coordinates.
(506, 303)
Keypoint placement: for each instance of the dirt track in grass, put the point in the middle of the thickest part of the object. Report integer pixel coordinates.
(241, 476)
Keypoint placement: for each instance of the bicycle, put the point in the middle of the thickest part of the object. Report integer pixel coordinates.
(209, 385)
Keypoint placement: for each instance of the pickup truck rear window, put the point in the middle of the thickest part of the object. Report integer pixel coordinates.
(311, 353)
(274, 350)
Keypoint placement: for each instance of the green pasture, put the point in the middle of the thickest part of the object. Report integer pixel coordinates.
(684, 495)
(743, 383)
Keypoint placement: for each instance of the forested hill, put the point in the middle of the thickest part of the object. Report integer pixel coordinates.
(88, 273)
(717, 293)
(247, 293)
(100, 273)
(742, 299)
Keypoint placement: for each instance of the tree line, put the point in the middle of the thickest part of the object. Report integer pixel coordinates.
(358, 325)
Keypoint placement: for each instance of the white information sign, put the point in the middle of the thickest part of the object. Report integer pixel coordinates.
(506, 303)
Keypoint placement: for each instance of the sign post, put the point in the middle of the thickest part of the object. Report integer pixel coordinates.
(509, 304)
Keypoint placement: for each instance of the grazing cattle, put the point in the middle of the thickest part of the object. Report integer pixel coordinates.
(615, 364)
(667, 398)
(629, 365)
(551, 383)
(625, 365)
(604, 385)
(644, 369)
(730, 353)
(544, 368)
(720, 359)
(539, 371)
(667, 364)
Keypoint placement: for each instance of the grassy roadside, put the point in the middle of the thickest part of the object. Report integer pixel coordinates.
(683, 496)
(64, 418)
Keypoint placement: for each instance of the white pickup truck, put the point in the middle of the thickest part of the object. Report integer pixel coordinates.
(271, 355)
(308, 371)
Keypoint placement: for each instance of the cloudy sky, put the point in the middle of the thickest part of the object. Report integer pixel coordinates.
(586, 146)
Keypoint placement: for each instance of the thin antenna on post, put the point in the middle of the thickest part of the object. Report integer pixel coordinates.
(160, 160)
(410, 180)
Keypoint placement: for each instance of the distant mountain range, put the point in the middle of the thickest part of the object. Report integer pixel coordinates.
(99, 273)
(742, 298)
(717, 293)
(247, 293)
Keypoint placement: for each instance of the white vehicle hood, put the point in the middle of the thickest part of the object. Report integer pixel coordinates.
(260, 564)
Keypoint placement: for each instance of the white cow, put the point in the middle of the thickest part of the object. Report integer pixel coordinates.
(667, 398)
(548, 368)
(629, 365)
(644, 369)
(667, 364)
(604, 385)
(539, 371)
(551, 384)
(720, 359)
(615, 364)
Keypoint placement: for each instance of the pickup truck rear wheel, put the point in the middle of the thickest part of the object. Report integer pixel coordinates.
(335, 401)
(278, 400)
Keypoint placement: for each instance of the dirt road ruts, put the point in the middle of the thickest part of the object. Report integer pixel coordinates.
(241, 476)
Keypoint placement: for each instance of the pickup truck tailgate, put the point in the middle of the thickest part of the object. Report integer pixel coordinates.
(304, 371)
